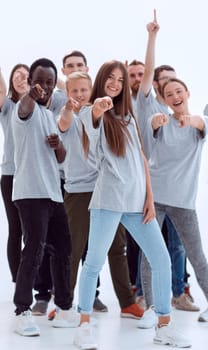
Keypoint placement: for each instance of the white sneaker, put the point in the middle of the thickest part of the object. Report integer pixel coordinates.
(25, 325)
(169, 335)
(203, 317)
(66, 318)
(84, 338)
(148, 320)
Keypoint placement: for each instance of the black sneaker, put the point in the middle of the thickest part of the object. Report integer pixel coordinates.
(40, 308)
(98, 306)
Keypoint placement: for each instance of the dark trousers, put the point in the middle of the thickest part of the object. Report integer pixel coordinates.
(44, 223)
(14, 243)
(76, 206)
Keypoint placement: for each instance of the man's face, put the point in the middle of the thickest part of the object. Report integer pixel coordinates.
(80, 90)
(45, 77)
(135, 73)
(74, 64)
(163, 77)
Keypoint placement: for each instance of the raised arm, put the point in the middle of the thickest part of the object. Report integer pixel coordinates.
(3, 89)
(146, 84)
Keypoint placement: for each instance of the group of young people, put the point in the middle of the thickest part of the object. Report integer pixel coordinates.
(87, 165)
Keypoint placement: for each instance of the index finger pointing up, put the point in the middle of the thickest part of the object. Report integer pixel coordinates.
(155, 15)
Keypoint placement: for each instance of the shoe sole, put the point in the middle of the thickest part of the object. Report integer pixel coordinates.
(64, 325)
(183, 309)
(86, 347)
(123, 315)
(28, 334)
(38, 313)
(100, 310)
(163, 342)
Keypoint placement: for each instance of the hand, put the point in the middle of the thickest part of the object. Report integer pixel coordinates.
(153, 27)
(148, 211)
(36, 92)
(159, 120)
(54, 141)
(103, 104)
(184, 120)
(72, 105)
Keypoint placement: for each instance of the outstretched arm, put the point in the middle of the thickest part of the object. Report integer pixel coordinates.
(100, 106)
(67, 114)
(27, 103)
(2, 89)
(146, 84)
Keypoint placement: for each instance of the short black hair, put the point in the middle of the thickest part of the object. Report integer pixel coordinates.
(43, 62)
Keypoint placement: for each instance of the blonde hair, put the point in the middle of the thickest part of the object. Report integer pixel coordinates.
(76, 76)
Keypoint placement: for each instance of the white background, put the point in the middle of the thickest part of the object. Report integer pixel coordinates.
(104, 30)
(109, 29)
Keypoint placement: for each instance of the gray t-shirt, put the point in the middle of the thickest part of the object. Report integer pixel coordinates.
(58, 100)
(121, 181)
(80, 172)
(7, 165)
(146, 107)
(174, 164)
(36, 167)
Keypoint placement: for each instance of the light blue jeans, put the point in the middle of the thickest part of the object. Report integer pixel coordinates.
(103, 225)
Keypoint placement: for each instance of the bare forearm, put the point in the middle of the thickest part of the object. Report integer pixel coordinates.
(26, 106)
(60, 153)
(65, 119)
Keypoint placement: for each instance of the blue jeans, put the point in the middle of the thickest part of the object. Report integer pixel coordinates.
(177, 256)
(103, 225)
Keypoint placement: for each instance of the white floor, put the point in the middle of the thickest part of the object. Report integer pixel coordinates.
(112, 332)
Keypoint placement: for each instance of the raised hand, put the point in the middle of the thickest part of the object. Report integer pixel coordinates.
(153, 27)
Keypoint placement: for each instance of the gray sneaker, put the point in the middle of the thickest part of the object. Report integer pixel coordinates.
(184, 303)
(98, 306)
(40, 308)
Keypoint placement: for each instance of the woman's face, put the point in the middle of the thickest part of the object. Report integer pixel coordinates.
(19, 81)
(176, 96)
(114, 83)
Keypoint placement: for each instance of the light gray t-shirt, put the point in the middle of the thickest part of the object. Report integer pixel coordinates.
(174, 164)
(146, 107)
(58, 100)
(80, 172)
(7, 165)
(37, 172)
(121, 181)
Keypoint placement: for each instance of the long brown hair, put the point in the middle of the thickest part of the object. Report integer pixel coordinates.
(12, 93)
(115, 128)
